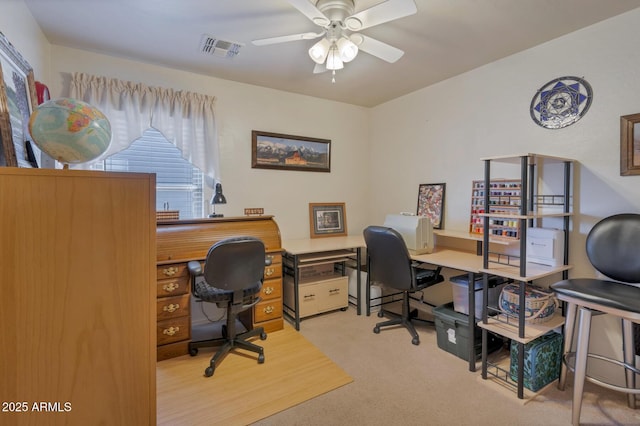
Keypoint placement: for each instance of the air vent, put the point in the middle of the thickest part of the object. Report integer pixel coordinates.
(216, 47)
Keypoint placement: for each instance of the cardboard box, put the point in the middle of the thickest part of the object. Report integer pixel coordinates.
(316, 271)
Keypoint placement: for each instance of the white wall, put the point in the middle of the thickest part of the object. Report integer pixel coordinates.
(18, 25)
(380, 155)
(439, 133)
(240, 108)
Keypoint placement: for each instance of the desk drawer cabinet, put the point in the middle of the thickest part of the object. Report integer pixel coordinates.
(268, 313)
(172, 309)
(318, 296)
(181, 241)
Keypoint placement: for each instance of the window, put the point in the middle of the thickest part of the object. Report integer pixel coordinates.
(179, 184)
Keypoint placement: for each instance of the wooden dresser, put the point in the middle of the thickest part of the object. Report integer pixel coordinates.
(77, 253)
(181, 241)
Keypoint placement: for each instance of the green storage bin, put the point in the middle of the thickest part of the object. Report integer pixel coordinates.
(542, 359)
(452, 329)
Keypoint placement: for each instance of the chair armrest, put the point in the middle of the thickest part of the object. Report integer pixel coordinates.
(195, 268)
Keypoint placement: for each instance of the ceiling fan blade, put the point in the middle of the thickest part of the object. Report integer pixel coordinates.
(311, 12)
(284, 39)
(376, 48)
(381, 13)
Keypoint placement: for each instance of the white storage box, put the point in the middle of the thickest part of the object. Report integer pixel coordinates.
(545, 246)
(375, 293)
(460, 287)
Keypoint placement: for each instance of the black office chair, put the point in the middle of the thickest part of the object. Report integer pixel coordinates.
(232, 279)
(613, 248)
(389, 263)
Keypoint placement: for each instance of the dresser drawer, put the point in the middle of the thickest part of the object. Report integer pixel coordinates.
(172, 307)
(275, 258)
(267, 310)
(173, 330)
(271, 289)
(273, 271)
(173, 286)
(172, 271)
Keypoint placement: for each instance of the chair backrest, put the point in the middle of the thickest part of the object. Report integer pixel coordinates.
(613, 247)
(388, 259)
(235, 263)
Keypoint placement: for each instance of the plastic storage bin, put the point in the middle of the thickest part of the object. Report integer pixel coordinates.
(542, 358)
(460, 287)
(452, 329)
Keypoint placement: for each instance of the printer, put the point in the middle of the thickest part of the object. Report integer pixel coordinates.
(545, 246)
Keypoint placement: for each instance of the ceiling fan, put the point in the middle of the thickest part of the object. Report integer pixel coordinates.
(341, 40)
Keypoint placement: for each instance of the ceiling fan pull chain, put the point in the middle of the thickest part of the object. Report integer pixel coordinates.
(333, 76)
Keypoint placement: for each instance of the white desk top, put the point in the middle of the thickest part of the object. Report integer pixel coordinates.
(454, 259)
(314, 245)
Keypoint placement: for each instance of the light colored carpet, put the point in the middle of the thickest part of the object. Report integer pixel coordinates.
(241, 391)
(397, 383)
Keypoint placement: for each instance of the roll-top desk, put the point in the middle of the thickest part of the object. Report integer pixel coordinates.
(181, 241)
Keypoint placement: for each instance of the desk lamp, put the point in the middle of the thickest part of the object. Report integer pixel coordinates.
(218, 198)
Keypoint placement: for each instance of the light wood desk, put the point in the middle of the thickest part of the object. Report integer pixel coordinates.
(319, 250)
(458, 259)
(465, 261)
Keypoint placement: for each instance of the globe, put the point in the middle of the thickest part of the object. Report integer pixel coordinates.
(69, 130)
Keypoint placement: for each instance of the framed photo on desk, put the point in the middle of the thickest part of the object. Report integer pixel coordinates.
(431, 202)
(327, 220)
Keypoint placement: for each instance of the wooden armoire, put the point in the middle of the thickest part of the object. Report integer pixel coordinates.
(77, 297)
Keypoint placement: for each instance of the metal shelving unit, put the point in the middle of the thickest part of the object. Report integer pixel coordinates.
(533, 207)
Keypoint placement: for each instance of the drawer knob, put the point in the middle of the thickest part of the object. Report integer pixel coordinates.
(172, 286)
(268, 290)
(171, 307)
(268, 272)
(170, 271)
(170, 331)
(268, 309)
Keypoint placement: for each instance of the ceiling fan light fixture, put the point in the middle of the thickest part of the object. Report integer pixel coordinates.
(334, 62)
(319, 51)
(348, 49)
(352, 23)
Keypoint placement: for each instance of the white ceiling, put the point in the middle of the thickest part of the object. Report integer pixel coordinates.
(445, 38)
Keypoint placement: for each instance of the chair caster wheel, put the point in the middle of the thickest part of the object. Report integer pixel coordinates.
(193, 351)
(380, 313)
(261, 359)
(376, 330)
(208, 372)
(415, 341)
(263, 336)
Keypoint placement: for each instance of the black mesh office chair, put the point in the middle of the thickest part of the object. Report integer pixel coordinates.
(613, 248)
(389, 263)
(232, 279)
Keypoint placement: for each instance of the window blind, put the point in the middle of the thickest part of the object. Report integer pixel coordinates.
(178, 183)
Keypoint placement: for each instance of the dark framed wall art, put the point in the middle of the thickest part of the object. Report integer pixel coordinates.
(431, 203)
(288, 152)
(17, 100)
(630, 145)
